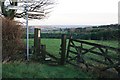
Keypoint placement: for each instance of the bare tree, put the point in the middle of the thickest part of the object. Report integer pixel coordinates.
(7, 13)
(35, 9)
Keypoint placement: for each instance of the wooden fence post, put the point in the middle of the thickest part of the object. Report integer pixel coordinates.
(37, 41)
(43, 53)
(68, 47)
(63, 49)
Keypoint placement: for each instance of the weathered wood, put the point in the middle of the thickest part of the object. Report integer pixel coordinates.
(106, 52)
(76, 47)
(96, 60)
(51, 55)
(98, 53)
(43, 53)
(87, 50)
(103, 52)
(68, 48)
(37, 41)
(37, 44)
(105, 55)
(72, 58)
(72, 52)
(97, 45)
(78, 53)
(63, 49)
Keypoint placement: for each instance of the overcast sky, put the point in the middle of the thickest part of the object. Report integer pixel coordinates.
(81, 12)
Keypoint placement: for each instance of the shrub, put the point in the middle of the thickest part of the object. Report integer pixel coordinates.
(11, 38)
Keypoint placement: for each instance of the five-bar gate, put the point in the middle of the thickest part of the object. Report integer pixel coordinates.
(93, 55)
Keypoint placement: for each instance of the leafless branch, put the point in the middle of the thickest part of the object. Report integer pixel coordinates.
(41, 6)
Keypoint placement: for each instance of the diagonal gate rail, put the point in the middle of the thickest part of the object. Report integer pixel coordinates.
(93, 55)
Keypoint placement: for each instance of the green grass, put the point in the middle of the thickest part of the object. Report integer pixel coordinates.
(106, 43)
(88, 55)
(53, 45)
(37, 70)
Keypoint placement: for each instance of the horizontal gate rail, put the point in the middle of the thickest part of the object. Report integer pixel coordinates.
(97, 45)
(104, 53)
(98, 53)
(96, 60)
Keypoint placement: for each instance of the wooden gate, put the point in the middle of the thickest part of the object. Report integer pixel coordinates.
(93, 55)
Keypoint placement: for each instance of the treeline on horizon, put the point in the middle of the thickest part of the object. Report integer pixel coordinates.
(106, 32)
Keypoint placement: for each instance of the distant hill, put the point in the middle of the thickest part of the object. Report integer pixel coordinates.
(73, 28)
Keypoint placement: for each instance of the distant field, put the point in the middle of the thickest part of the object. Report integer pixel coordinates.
(53, 45)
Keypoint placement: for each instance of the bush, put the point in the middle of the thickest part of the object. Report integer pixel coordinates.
(11, 38)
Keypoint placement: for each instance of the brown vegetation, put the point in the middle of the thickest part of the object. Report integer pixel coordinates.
(11, 38)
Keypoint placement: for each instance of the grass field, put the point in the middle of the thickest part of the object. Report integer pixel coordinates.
(53, 45)
(37, 70)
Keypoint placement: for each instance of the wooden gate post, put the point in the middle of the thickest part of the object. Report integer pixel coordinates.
(63, 49)
(37, 40)
(43, 53)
